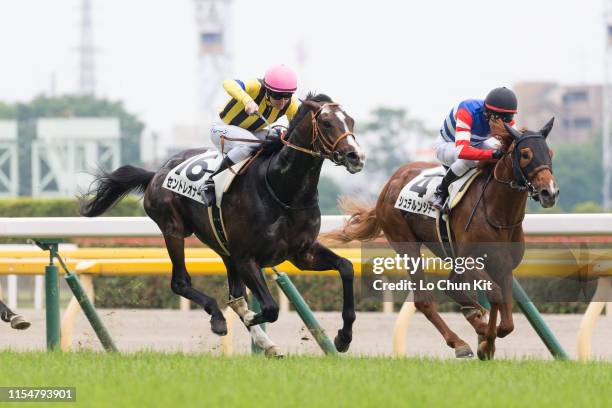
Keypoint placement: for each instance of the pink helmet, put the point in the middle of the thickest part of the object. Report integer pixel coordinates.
(280, 78)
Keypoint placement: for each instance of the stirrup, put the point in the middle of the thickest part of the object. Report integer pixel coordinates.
(443, 208)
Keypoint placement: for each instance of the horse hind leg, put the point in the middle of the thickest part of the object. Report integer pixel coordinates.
(181, 284)
(473, 312)
(17, 321)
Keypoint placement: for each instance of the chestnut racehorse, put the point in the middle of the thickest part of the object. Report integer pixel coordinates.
(495, 207)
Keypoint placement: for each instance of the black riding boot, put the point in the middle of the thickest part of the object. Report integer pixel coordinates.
(441, 194)
(207, 191)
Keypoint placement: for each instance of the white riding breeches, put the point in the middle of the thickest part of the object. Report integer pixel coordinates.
(447, 153)
(235, 150)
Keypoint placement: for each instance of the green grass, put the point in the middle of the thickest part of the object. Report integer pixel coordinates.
(169, 380)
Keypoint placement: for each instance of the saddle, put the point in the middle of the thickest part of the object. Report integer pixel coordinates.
(187, 177)
(416, 197)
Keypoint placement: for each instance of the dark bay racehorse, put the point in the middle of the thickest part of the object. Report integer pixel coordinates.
(271, 214)
(16, 321)
(525, 169)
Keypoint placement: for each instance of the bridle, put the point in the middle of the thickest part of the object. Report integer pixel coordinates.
(327, 148)
(520, 181)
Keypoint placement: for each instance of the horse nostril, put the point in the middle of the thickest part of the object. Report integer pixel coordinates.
(352, 156)
(545, 194)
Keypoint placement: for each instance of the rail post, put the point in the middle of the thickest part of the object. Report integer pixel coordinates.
(52, 309)
(52, 299)
(282, 279)
(535, 319)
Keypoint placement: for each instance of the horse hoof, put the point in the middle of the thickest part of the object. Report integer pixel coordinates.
(464, 352)
(484, 353)
(273, 352)
(19, 323)
(218, 326)
(342, 342)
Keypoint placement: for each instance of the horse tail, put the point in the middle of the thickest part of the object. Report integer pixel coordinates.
(109, 188)
(362, 224)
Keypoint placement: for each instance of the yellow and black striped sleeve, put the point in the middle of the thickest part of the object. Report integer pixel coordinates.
(243, 92)
(292, 109)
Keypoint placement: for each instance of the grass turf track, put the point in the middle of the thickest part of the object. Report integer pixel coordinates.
(171, 380)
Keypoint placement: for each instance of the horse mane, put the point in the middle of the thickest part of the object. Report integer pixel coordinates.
(276, 145)
(304, 109)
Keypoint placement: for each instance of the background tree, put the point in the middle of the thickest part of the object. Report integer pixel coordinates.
(391, 134)
(579, 172)
(329, 191)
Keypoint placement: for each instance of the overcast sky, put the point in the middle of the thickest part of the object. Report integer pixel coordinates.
(422, 56)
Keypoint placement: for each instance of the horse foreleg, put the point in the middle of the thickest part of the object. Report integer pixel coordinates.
(252, 276)
(473, 312)
(320, 258)
(237, 302)
(506, 324)
(181, 285)
(260, 338)
(486, 347)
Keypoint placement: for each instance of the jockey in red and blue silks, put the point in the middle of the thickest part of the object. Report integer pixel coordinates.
(465, 137)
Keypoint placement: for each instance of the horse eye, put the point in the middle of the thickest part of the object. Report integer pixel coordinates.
(525, 155)
(327, 124)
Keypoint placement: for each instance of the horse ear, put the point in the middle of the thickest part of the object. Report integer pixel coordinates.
(311, 104)
(547, 127)
(513, 132)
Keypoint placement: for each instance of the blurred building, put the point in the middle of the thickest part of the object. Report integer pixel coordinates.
(577, 109)
(68, 150)
(9, 177)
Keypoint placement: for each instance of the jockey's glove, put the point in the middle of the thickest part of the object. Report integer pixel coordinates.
(497, 154)
(276, 132)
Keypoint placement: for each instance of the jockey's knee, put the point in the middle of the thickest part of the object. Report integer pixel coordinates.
(216, 132)
(239, 153)
(461, 166)
(446, 153)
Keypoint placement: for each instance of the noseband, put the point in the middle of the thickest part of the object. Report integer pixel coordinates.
(328, 149)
